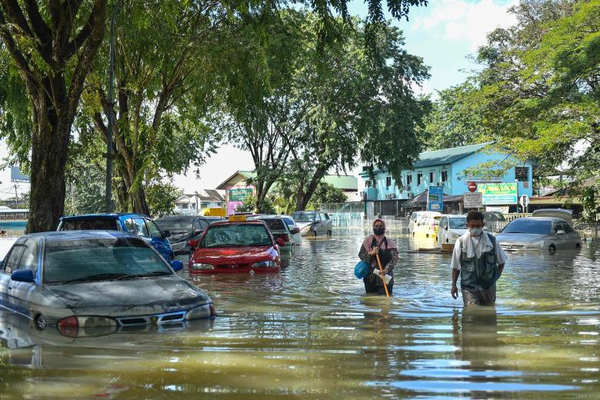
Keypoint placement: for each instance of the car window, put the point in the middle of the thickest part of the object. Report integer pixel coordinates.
(136, 226)
(444, 223)
(203, 224)
(176, 225)
(304, 217)
(11, 263)
(29, 259)
(94, 224)
(153, 229)
(568, 228)
(275, 224)
(324, 217)
(289, 222)
(458, 223)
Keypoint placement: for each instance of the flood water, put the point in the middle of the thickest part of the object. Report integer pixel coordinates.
(310, 331)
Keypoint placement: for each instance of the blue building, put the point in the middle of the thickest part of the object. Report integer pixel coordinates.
(452, 169)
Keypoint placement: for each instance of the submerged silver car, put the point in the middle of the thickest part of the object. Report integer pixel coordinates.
(545, 234)
(90, 279)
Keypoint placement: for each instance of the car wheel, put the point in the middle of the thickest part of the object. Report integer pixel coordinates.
(329, 233)
(552, 249)
(314, 233)
(578, 245)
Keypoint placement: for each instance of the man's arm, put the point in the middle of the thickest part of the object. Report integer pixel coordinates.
(454, 290)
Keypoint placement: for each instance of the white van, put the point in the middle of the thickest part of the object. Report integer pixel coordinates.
(416, 216)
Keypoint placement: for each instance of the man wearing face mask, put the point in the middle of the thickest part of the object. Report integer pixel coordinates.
(378, 244)
(479, 261)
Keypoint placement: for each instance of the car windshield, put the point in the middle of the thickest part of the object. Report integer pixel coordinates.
(529, 226)
(304, 217)
(93, 224)
(101, 259)
(275, 224)
(236, 235)
(175, 225)
(458, 223)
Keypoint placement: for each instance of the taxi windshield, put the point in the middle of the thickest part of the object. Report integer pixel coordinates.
(236, 235)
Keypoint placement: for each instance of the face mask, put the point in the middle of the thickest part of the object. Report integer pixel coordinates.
(476, 231)
(379, 231)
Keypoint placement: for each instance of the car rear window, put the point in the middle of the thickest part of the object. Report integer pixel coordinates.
(175, 225)
(539, 227)
(93, 224)
(289, 221)
(275, 224)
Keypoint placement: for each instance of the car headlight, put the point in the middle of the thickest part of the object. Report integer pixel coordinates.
(201, 266)
(305, 229)
(265, 264)
(205, 311)
(70, 326)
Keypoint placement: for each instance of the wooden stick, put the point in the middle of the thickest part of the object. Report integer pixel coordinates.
(387, 293)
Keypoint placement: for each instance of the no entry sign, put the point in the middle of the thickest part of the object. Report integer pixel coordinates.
(472, 186)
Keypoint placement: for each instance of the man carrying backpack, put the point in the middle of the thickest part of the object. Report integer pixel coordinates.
(479, 260)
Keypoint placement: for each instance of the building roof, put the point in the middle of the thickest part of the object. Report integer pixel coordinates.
(441, 157)
(447, 156)
(343, 182)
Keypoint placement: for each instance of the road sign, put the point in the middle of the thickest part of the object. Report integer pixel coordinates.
(524, 201)
(435, 198)
(473, 200)
(472, 186)
(499, 193)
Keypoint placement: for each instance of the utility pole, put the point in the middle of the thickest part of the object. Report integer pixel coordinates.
(16, 197)
(109, 133)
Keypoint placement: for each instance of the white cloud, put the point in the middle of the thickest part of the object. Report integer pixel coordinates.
(466, 21)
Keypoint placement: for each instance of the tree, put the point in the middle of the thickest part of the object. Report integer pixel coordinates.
(163, 92)
(52, 47)
(540, 85)
(325, 193)
(455, 119)
(320, 109)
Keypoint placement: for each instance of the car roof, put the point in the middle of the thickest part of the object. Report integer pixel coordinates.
(179, 217)
(64, 236)
(103, 216)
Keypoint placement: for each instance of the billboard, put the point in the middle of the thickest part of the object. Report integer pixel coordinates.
(473, 200)
(498, 193)
(435, 198)
(17, 176)
(239, 194)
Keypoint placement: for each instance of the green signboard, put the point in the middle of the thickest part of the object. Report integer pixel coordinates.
(498, 193)
(239, 194)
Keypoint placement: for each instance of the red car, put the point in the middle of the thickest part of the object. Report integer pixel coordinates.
(234, 247)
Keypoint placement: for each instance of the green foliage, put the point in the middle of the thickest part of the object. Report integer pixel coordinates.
(325, 193)
(540, 87)
(455, 119)
(252, 205)
(161, 198)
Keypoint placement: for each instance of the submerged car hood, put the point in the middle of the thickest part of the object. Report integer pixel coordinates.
(519, 238)
(226, 255)
(157, 294)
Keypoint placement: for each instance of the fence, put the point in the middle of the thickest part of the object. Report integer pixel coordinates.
(345, 214)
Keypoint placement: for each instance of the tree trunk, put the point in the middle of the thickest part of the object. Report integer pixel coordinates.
(305, 194)
(51, 136)
(137, 194)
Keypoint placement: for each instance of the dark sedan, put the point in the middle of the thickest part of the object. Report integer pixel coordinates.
(183, 228)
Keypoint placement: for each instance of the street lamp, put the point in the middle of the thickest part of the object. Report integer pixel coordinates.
(109, 134)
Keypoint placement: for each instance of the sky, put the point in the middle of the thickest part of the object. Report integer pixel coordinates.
(444, 34)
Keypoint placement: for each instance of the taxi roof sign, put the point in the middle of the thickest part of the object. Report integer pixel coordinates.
(237, 218)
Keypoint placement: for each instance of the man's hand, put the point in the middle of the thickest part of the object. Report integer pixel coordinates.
(374, 250)
(454, 292)
(383, 273)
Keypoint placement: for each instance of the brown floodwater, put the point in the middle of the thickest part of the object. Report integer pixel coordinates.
(311, 332)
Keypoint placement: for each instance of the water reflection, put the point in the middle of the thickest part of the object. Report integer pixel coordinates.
(311, 331)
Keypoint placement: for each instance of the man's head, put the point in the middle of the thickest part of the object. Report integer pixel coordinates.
(475, 223)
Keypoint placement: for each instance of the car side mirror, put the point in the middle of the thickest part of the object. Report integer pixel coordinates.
(22, 275)
(280, 242)
(295, 231)
(192, 243)
(560, 232)
(176, 265)
(166, 234)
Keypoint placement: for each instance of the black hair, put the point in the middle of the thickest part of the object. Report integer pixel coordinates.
(475, 216)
